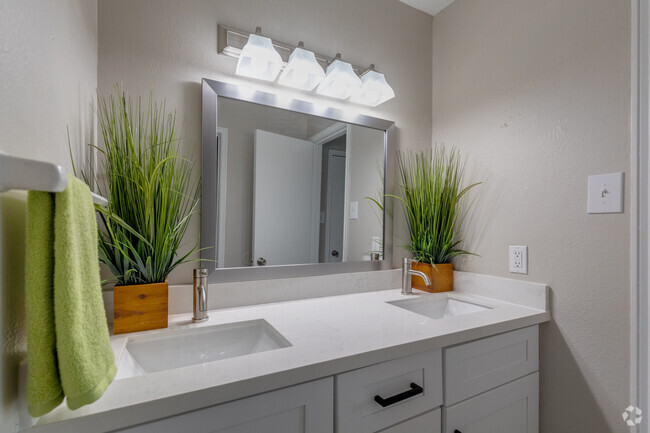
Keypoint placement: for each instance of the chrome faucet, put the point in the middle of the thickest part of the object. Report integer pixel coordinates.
(406, 276)
(200, 296)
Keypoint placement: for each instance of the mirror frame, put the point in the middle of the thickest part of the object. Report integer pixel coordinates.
(211, 91)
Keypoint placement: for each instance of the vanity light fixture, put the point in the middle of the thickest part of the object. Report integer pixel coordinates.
(340, 81)
(375, 90)
(258, 58)
(262, 58)
(302, 71)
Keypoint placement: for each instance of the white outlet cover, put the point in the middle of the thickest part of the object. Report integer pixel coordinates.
(518, 259)
(605, 193)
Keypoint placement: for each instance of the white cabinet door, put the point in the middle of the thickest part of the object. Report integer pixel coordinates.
(306, 408)
(511, 408)
(478, 366)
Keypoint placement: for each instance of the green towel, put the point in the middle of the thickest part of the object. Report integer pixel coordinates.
(69, 351)
(44, 391)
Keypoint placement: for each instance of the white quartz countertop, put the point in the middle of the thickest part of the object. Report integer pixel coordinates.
(328, 336)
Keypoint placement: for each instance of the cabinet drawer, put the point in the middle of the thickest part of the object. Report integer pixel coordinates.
(511, 408)
(481, 365)
(305, 408)
(356, 408)
(429, 422)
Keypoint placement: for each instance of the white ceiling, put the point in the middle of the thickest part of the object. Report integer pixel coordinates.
(431, 7)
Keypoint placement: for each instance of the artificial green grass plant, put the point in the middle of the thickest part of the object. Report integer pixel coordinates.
(432, 193)
(151, 196)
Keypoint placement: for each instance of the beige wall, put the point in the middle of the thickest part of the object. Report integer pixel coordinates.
(168, 47)
(49, 74)
(537, 95)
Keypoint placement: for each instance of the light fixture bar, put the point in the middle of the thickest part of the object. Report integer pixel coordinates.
(230, 42)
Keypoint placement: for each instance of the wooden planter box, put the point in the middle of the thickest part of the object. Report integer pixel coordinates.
(140, 307)
(442, 277)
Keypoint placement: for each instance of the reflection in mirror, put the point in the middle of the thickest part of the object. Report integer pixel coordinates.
(293, 188)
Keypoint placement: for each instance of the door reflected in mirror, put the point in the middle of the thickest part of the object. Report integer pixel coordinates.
(295, 188)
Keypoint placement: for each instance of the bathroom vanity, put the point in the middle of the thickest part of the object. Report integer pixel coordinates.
(366, 362)
(489, 384)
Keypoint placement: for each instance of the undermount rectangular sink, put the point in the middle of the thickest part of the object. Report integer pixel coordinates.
(438, 307)
(179, 348)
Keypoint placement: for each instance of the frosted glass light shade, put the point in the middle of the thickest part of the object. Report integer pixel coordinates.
(302, 71)
(340, 81)
(375, 90)
(258, 59)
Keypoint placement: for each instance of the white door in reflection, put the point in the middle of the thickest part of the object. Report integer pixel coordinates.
(286, 200)
(335, 214)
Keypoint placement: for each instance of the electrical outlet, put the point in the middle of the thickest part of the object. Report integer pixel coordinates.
(518, 259)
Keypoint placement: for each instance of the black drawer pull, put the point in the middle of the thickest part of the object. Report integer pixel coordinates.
(415, 390)
(457, 431)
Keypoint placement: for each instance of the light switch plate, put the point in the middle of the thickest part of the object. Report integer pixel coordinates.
(354, 210)
(605, 193)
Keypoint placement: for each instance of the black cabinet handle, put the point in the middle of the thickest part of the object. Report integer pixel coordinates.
(457, 431)
(415, 390)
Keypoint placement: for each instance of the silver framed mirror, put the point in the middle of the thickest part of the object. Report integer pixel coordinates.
(291, 188)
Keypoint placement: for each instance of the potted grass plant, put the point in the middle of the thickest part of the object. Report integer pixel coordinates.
(151, 198)
(432, 188)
